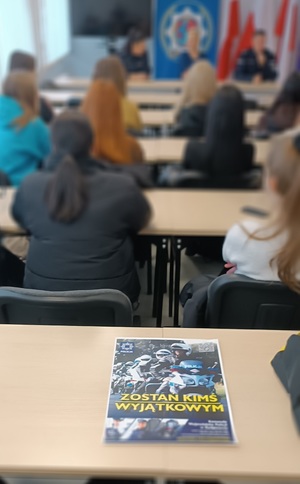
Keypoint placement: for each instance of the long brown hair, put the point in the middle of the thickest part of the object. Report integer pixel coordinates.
(102, 105)
(21, 86)
(284, 168)
(111, 69)
(66, 194)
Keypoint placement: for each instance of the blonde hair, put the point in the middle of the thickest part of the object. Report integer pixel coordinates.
(111, 69)
(199, 85)
(21, 86)
(284, 167)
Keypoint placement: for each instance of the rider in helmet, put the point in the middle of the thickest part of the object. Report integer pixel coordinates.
(181, 351)
(164, 359)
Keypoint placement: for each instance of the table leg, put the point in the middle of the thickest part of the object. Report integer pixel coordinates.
(162, 260)
(178, 249)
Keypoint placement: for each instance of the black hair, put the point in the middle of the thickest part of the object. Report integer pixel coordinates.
(290, 92)
(224, 127)
(259, 32)
(66, 194)
(134, 35)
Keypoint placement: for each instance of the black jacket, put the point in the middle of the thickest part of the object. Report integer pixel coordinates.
(95, 251)
(190, 121)
(218, 163)
(247, 67)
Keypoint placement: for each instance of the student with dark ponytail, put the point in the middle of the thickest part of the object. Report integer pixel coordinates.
(80, 217)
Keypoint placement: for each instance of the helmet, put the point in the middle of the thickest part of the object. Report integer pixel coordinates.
(162, 354)
(128, 363)
(182, 347)
(144, 359)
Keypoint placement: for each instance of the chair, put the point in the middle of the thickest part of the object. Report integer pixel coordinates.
(4, 180)
(177, 177)
(239, 302)
(100, 307)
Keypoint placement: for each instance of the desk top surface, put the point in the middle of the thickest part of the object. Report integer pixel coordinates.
(179, 212)
(69, 82)
(171, 150)
(55, 383)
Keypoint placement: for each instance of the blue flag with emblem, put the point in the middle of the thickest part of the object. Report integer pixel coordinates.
(173, 21)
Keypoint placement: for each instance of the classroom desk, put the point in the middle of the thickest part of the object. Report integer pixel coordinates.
(166, 85)
(177, 215)
(171, 150)
(155, 118)
(155, 99)
(55, 384)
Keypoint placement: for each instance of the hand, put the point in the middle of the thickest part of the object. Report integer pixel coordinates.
(231, 267)
(257, 79)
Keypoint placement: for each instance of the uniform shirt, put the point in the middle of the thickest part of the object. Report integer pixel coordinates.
(135, 64)
(186, 61)
(248, 67)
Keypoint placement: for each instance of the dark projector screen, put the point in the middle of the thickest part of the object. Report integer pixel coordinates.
(110, 17)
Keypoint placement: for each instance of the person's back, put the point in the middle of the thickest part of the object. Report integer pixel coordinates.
(24, 139)
(284, 112)
(223, 152)
(94, 249)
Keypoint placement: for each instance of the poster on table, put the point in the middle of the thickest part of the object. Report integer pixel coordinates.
(173, 19)
(168, 390)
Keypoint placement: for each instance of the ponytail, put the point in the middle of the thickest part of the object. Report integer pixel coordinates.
(66, 193)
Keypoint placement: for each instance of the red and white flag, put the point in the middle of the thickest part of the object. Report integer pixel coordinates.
(231, 31)
(287, 60)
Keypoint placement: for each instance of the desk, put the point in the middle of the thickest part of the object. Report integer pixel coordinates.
(178, 214)
(157, 99)
(171, 150)
(55, 381)
(167, 85)
(156, 118)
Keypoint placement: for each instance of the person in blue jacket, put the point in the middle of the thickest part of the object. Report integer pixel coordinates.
(256, 64)
(24, 138)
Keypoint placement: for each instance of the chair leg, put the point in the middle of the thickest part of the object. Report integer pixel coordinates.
(178, 248)
(149, 271)
(171, 279)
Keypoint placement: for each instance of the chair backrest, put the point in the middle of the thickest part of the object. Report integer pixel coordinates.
(100, 307)
(243, 303)
(4, 180)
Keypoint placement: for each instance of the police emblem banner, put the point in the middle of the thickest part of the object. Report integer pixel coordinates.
(173, 21)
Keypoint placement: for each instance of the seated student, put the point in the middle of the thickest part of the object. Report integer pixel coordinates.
(285, 110)
(111, 69)
(223, 153)
(102, 105)
(198, 89)
(193, 53)
(256, 64)
(267, 251)
(24, 138)
(26, 62)
(81, 218)
(134, 56)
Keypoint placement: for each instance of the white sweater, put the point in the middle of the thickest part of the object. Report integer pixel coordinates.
(252, 257)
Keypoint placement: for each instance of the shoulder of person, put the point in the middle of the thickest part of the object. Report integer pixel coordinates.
(247, 54)
(243, 230)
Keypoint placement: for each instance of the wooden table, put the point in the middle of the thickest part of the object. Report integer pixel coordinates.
(156, 118)
(167, 85)
(155, 99)
(177, 214)
(54, 388)
(171, 150)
